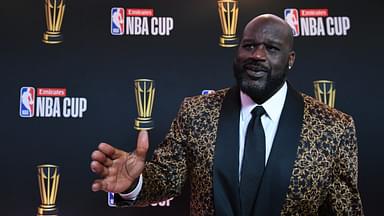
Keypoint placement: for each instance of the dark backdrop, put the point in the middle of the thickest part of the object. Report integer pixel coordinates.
(93, 64)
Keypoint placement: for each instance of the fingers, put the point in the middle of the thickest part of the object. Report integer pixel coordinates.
(101, 158)
(108, 150)
(99, 185)
(99, 168)
(142, 144)
(96, 186)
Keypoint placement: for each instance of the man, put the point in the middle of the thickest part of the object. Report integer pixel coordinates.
(306, 165)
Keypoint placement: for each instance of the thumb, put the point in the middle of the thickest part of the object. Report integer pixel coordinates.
(142, 144)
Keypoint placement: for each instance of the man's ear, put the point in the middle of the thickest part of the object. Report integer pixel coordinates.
(291, 59)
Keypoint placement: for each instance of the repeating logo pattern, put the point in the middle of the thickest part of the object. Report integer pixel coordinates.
(117, 21)
(111, 201)
(50, 103)
(27, 102)
(139, 21)
(316, 22)
(207, 91)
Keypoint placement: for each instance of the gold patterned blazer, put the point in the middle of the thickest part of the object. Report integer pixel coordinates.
(312, 168)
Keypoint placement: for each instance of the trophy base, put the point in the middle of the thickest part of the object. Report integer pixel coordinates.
(228, 41)
(144, 124)
(44, 211)
(52, 37)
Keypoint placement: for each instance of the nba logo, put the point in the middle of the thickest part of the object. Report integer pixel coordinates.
(111, 199)
(207, 91)
(292, 18)
(117, 21)
(27, 102)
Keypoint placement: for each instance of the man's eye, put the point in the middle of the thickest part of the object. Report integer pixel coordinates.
(272, 48)
(248, 46)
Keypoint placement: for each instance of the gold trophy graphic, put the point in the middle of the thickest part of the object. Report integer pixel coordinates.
(54, 12)
(325, 91)
(228, 12)
(48, 176)
(145, 95)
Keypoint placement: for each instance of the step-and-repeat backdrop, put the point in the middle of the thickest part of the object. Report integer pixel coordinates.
(68, 71)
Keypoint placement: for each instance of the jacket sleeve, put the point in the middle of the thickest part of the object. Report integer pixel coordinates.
(343, 197)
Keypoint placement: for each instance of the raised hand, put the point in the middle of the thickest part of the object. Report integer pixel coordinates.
(118, 169)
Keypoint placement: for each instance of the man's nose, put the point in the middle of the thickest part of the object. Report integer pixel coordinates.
(259, 53)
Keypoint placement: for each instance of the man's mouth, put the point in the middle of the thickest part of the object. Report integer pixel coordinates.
(256, 72)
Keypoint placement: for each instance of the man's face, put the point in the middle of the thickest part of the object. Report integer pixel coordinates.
(263, 57)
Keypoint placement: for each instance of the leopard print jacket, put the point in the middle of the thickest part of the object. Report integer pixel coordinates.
(324, 172)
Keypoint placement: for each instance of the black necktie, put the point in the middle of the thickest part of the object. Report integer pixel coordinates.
(253, 162)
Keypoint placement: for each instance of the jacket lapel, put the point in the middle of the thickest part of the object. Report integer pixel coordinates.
(279, 167)
(226, 157)
(278, 171)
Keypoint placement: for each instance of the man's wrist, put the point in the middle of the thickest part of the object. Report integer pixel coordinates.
(133, 191)
(132, 187)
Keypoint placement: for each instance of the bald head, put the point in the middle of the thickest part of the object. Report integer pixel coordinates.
(271, 23)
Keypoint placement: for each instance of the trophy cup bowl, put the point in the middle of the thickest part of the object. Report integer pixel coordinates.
(228, 12)
(48, 177)
(54, 13)
(325, 91)
(145, 95)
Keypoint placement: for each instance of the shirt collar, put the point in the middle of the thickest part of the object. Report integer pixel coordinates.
(273, 106)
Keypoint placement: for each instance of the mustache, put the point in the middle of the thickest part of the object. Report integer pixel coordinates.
(255, 65)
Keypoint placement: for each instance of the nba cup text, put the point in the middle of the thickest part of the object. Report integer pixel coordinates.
(139, 21)
(155, 26)
(316, 22)
(50, 102)
(318, 26)
(68, 107)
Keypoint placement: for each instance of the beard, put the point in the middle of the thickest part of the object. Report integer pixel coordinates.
(257, 81)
